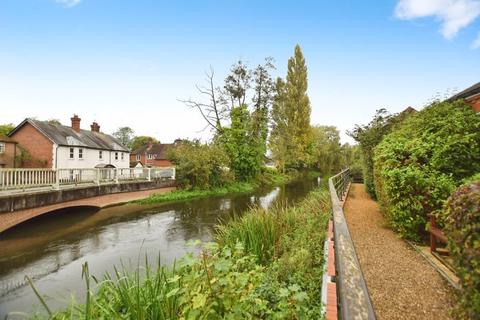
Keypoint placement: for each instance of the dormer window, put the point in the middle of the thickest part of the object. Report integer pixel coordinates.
(139, 157)
(150, 156)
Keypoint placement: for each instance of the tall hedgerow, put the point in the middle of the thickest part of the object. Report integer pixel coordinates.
(461, 219)
(419, 164)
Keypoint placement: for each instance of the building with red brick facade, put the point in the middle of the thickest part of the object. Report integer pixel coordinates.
(52, 145)
(152, 155)
(8, 150)
(471, 96)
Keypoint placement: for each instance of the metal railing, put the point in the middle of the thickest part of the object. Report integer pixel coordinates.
(354, 300)
(22, 179)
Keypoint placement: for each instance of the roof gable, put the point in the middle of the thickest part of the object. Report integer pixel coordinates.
(66, 136)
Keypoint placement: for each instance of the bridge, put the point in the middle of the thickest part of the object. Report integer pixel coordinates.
(29, 193)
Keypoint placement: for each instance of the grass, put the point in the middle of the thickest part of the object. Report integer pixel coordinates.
(266, 264)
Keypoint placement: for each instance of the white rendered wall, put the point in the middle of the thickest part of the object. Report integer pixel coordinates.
(90, 158)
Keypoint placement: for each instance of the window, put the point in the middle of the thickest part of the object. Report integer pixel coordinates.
(122, 155)
(2, 147)
(150, 156)
(100, 154)
(80, 153)
(139, 157)
(116, 155)
(72, 153)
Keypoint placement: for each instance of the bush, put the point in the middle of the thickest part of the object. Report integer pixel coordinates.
(419, 164)
(265, 265)
(200, 166)
(461, 219)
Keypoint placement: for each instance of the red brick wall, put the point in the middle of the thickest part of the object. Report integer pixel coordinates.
(7, 159)
(475, 103)
(151, 162)
(38, 146)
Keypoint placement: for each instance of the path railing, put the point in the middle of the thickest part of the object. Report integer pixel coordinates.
(23, 179)
(354, 301)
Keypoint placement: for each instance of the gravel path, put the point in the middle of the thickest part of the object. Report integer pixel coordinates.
(402, 285)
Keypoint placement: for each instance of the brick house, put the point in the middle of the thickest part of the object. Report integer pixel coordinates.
(52, 145)
(152, 155)
(8, 150)
(471, 96)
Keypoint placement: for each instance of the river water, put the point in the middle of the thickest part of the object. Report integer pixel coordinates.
(52, 248)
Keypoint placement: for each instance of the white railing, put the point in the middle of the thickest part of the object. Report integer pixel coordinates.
(14, 179)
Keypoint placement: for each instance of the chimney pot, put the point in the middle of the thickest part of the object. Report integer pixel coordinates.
(95, 127)
(76, 123)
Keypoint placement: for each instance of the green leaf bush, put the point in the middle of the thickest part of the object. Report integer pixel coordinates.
(461, 219)
(419, 164)
(264, 265)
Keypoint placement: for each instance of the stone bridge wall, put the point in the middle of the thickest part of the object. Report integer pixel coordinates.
(27, 200)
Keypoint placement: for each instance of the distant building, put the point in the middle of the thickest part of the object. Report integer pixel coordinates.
(152, 155)
(471, 96)
(52, 145)
(8, 150)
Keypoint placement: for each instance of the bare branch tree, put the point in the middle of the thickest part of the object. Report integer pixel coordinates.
(213, 111)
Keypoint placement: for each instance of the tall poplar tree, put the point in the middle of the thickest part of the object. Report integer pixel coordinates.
(291, 114)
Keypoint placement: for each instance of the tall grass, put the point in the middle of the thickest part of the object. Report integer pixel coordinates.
(266, 264)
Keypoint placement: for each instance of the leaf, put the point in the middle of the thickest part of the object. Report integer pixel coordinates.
(199, 301)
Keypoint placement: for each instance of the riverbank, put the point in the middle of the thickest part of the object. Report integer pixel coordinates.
(269, 178)
(266, 264)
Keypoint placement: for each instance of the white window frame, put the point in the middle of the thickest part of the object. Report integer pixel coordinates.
(138, 157)
(100, 154)
(72, 154)
(122, 155)
(116, 155)
(150, 156)
(2, 147)
(80, 153)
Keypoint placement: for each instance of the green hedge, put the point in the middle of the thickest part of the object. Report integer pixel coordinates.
(461, 219)
(419, 164)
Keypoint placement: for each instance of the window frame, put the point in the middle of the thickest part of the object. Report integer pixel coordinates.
(71, 153)
(116, 155)
(138, 157)
(80, 153)
(100, 154)
(3, 147)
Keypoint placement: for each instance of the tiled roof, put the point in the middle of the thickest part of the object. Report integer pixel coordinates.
(470, 91)
(158, 149)
(66, 136)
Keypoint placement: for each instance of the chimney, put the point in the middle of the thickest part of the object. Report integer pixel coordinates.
(75, 123)
(95, 127)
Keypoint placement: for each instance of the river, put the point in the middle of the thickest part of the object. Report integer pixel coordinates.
(52, 248)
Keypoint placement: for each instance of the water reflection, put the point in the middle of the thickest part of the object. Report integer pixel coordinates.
(52, 248)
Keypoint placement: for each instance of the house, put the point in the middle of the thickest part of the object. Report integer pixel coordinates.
(8, 150)
(471, 96)
(152, 155)
(52, 145)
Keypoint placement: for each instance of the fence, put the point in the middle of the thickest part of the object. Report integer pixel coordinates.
(354, 300)
(15, 179)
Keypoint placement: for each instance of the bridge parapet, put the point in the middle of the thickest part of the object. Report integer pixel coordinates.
(26, 180)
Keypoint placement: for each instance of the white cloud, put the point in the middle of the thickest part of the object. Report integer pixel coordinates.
(476, 43)
(68, 3)
(453, 14)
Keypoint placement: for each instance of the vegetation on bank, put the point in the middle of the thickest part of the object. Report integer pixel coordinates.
(267, 264)
(414, 165)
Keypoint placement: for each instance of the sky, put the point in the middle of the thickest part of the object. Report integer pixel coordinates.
(129, 62)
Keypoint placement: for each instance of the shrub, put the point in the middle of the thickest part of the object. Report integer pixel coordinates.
(461, 218)
(200, 165)
(419, 164)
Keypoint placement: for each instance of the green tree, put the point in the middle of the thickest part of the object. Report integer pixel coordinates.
(6, 128)
(124, 135)
(141, 141)
(293, 110)
(327, 150)
(279, 134)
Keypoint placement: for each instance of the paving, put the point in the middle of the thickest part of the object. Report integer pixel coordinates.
(8, 220)
(401, 283)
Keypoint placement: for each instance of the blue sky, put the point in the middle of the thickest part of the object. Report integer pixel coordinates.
(126, 63)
